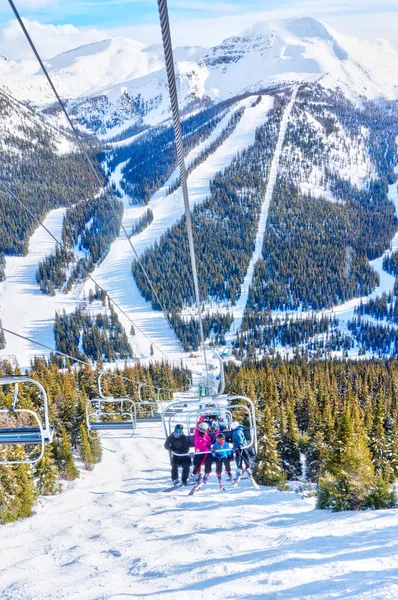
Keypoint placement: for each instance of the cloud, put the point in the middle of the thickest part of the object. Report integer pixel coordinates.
(50, 39)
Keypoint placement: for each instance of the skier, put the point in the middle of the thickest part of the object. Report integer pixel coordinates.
(203, 456)
(223, 454)
(243, 455)
(179, 443)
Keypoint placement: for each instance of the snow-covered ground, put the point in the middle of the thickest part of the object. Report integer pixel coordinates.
(24, 309)
(113, 535)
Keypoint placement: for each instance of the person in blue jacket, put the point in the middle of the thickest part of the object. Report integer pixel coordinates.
(243, 455)
(223, 453)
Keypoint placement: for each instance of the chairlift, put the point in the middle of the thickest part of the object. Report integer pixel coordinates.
(38, 435)
(225, 404)
(96, 415)
(152, 406)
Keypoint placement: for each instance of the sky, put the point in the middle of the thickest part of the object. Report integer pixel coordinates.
(59, 25)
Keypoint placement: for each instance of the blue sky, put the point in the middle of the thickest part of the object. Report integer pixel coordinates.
(204, 22)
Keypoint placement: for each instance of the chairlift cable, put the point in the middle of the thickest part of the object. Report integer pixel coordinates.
(68, 356)
(87, 157)
(13, 195)
(168, 53)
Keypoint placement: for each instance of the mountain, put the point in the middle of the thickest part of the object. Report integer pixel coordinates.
(119, 83)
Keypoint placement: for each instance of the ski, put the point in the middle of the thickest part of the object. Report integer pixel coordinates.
(249, 476)
(236, 481)
(202, 481)
(253, 482)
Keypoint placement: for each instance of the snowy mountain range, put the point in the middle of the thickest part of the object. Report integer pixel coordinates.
(119, 82)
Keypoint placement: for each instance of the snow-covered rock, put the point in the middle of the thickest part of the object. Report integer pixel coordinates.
(120, 82)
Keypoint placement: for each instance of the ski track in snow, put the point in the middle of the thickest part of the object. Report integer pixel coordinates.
(239, 309)
(113, 534)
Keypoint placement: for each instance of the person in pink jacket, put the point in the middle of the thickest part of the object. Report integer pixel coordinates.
(203, 456)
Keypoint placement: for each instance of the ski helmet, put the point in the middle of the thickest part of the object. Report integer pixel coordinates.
(203, 426)
(234, 425)
(178, 426)
(220, 436)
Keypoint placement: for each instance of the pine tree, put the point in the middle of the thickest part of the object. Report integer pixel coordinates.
(96, 448)
(378, 442)
(346, 485)
(64, 457)
(382, 494)
(8, 490)
(316, 456)
(46, 473)
(289, 447)
(268, 469)
(86, 454)
(26, 492)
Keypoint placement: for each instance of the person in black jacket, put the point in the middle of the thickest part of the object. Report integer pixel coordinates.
(179, 443)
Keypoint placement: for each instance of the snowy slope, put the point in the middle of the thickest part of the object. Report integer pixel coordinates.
(113, 535)
(32, 314)
(240, 306)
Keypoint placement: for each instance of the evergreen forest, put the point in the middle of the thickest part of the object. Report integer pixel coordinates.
(36, 172)
(333, 423)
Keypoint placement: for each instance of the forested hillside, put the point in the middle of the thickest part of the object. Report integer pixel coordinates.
(88, 229)
(342, 416)
(68, 391)
(224, 234)
(41, 166)
(330, 212)
(330, 215)
(151, 159)
(99, 335)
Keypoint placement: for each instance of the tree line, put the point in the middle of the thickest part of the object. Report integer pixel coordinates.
(98, 336)
(338, 418)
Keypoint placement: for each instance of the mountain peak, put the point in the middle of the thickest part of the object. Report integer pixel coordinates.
(302, 27)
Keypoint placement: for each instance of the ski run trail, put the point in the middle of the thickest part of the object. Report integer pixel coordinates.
(240, 306)
(114, 535)
(32, 314)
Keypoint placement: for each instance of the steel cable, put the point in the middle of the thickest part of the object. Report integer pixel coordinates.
(171, 78)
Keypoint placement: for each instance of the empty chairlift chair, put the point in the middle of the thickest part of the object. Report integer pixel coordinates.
(148, 407)
(107, 413)
(38, 434)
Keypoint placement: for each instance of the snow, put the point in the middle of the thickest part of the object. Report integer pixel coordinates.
(239, 309)
(113, 534)
(23, 307)
(274, 52)
(114, 274)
